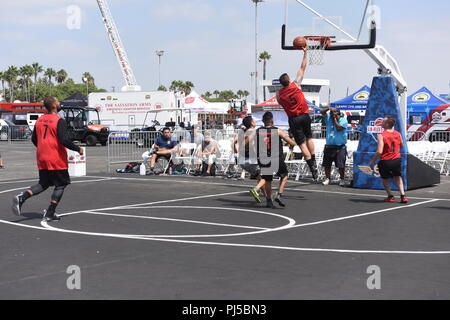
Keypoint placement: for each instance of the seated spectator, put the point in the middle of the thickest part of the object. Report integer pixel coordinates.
(207, 153)
(198, 136)
(164, 146)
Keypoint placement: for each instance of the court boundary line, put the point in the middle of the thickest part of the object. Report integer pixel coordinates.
(46, 227)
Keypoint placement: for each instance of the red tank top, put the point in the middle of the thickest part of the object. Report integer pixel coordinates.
(292, 100)
(391, 149)
(50, 154)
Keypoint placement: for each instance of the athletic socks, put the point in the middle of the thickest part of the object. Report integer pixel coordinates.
(51, 209)
(24, 196)
(312, 167)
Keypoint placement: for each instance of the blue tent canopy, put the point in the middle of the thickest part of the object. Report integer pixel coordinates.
(355, 101)
(445, 97)
(423, 100)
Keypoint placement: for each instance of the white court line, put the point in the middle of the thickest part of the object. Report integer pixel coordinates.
(48, 227)
(37, 178)
(177, 220)
(155, 202)
(287, 188)
(23, 188)
(246, 245)
(364, 214)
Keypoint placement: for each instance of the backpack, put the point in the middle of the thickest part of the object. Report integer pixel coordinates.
(132, 167)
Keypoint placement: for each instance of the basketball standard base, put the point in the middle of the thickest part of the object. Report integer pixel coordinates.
(383, 101)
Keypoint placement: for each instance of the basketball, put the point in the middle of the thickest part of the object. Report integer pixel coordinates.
(300, 43)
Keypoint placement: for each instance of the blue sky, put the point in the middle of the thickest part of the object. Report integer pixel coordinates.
(211, 42)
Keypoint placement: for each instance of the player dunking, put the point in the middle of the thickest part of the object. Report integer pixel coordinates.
(50, 138)
(291, 98)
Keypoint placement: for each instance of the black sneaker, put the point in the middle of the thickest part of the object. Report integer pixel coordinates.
(17, 204)
(270, 205)
(278, 200)
(49, 217)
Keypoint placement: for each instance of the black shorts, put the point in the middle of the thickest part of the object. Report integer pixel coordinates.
(336, 154)
(390, 168)
(57, 178)
(300, 127)
(282, 171)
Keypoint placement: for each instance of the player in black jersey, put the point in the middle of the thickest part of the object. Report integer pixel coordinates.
(269, 147)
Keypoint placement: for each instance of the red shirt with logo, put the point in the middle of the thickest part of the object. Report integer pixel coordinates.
(50, 154)
(292, 100)
(392, 141)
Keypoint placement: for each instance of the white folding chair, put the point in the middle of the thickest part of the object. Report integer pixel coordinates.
(186, 154)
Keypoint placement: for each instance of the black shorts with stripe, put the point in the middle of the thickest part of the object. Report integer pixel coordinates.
(282, 171)
(57, 178)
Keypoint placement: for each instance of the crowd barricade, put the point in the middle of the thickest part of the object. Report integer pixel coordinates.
(129, 146)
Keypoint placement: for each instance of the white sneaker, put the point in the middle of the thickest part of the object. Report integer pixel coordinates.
(342, 183)
(326, 182)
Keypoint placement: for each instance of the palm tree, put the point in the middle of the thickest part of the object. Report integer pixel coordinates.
(187, 87)
(89, 77)
(11, 77)
(26, 72)
(2, 79)
(61, 76)
(207, 95)
(50, 73)
(37, 68)
(162, 88)
(216, 93)
(245, 93)
(264, 56)
(239, 94)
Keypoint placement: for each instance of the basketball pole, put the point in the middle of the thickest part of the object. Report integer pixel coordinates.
(387, 65)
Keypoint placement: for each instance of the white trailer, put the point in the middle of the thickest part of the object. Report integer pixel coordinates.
(122, 111)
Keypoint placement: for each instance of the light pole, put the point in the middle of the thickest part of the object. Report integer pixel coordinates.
(256, 48)
(159, 53)
(85, 79)
(252, 74)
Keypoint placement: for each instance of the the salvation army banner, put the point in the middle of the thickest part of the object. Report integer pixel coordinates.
(383, 101)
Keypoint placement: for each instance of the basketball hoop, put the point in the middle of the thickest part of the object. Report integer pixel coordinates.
(316, 49)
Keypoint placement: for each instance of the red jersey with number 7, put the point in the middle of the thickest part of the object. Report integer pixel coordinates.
(391, 149)
(292, 100)
(50, 154)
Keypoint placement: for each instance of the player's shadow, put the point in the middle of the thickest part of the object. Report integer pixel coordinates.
(29, 216)
(440, 208)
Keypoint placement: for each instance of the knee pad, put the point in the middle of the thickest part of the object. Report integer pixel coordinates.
(58, 193)
(37, 188)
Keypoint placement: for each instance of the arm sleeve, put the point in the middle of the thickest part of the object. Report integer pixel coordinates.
(63, 136)
(34, 137)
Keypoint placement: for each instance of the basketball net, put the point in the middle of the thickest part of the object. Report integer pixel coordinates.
(316, 51)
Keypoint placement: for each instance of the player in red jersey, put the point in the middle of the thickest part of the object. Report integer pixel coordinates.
(291, 98)
(51, 139)
(390, 166)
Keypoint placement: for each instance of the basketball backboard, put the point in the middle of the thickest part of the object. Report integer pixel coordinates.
(349, 23)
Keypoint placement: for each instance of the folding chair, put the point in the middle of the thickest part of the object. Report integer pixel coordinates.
(186, 154)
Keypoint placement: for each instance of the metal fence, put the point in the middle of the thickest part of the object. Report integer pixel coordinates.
(321, 133)
(17, 133)
(436, 136)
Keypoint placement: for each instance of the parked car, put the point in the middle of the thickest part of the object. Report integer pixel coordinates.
(8, 130)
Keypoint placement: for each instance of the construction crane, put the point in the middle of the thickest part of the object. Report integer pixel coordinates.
(119, 49)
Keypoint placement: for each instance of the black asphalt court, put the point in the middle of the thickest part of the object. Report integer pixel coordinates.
(174, 237)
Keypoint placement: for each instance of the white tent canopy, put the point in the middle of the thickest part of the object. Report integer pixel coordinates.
(197, 104)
